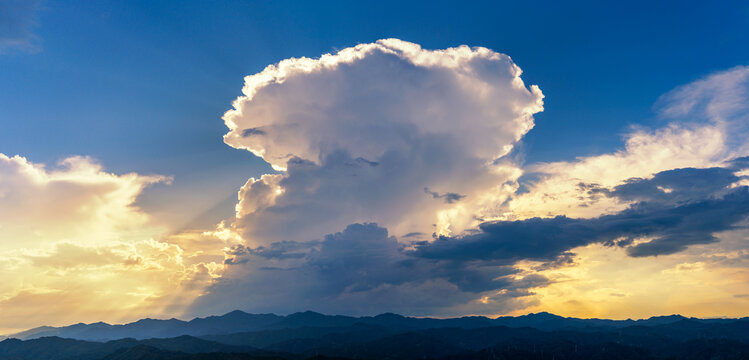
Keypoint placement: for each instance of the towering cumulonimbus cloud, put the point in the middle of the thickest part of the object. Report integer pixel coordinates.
(361, 133)
(378, 146)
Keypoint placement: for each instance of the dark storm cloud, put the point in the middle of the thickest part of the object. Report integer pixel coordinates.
(695, 223)
(359, 258)
(677, 186)
(236, 255)
(352, 267)
(364, 256)
(363, 269)
(17, 20)
(739, 163)
(675, 209)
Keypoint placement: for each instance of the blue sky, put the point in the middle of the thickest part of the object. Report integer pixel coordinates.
(152, 79)
(141, 87)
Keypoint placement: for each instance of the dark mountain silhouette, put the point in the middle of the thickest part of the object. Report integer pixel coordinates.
(145, 352)
(59, 348)
(238, 335)
(235, 321)
(238, 321)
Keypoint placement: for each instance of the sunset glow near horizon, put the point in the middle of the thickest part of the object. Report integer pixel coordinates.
(188, 160)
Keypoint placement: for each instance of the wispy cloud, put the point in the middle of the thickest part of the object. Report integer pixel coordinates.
(18, 19)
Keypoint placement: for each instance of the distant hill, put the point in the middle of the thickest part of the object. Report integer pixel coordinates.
(241, 322)
(145, 352)
(234, 321)
(52, 348)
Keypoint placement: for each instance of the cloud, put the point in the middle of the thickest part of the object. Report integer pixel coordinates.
(699, 281)
(721, 99)
(361, 133)
(708, 126)
(373, 98)
(74, 247)
(66, 256)
(717, 97)
(574, 188)
(362, 270)
(677, 186)
(660, 223)
(18, 18)
(412, 140)
(446, 197)
(77, 200)
(682, 171)
(688, 169)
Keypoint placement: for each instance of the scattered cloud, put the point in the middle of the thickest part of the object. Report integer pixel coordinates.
(721, 99)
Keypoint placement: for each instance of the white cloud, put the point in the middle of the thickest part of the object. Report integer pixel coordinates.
(76, 201)
(361, 134)
(413, 140)
(709, 124)
(375, 98)
(74, 247)
(573, 188)
(721, 99)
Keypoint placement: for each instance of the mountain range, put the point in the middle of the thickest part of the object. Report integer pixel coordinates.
(240, 335)
(239, 321)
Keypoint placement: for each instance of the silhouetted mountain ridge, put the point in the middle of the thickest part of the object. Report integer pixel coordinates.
(238, 322)
(241, 336)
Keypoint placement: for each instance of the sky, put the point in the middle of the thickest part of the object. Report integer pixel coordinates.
(163, 159)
